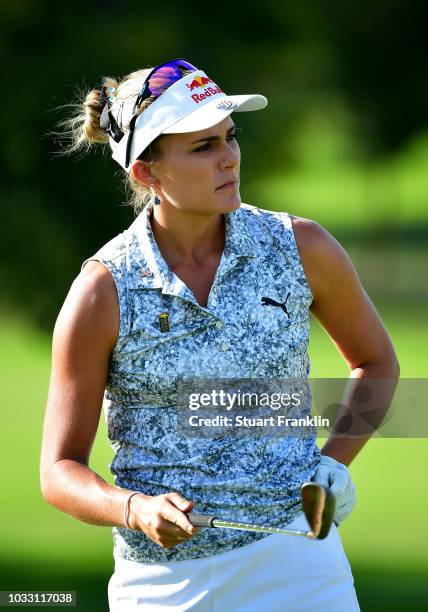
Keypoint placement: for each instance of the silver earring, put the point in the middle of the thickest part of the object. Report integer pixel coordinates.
(156, 200)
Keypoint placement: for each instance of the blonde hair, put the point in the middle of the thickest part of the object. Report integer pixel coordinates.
(79, 132)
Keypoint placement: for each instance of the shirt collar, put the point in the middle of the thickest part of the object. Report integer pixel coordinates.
(149, 269)
(239, 241)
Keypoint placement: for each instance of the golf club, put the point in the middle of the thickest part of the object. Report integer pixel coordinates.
(318, 504)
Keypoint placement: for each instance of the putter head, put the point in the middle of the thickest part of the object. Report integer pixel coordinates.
(318, 504)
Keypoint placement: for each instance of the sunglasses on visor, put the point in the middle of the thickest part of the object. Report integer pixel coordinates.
(158, 81)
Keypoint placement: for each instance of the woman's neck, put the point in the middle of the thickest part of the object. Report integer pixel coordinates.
(184, 237)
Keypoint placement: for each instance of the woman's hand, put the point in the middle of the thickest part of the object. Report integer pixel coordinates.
(336, 477)
(162, 518)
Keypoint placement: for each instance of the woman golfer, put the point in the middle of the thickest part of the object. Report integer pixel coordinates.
(201, 287)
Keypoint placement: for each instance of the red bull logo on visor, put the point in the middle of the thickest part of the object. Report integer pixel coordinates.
(199, 81)
(202, 81)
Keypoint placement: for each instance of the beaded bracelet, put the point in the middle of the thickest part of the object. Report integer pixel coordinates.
(128, 509)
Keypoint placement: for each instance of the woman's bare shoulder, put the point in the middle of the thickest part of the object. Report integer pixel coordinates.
(308, 233)
(323, 257)
(95, 276)
(92, 303)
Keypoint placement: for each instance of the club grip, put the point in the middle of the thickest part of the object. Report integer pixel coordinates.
(201, 520)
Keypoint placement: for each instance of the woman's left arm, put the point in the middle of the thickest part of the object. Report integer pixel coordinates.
(345, 311)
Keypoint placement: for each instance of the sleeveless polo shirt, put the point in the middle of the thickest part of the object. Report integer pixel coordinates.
(254, 479)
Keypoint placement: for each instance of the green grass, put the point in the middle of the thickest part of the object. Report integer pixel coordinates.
(386, 533)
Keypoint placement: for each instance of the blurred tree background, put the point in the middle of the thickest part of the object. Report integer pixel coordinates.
(344, 141)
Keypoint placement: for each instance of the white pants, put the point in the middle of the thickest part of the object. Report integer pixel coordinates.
(276, 574)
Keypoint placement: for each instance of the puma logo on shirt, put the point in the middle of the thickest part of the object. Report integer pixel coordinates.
(267, 301)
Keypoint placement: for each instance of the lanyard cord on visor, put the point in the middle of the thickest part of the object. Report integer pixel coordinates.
(130, 137)
(171, 75)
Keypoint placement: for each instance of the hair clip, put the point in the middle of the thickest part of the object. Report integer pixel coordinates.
(111, 91)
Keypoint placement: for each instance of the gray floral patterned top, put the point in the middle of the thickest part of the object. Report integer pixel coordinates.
(249, 479)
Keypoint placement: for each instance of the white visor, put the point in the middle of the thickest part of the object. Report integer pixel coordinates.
(191, 104)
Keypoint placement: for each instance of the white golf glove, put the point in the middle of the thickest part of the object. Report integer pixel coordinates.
(337, 478)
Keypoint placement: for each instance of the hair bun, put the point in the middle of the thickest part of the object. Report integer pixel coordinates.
(92, 132)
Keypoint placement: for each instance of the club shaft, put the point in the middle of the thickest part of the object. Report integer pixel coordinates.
(260, 528)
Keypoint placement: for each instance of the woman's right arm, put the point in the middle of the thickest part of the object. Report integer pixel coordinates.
(85, 333)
